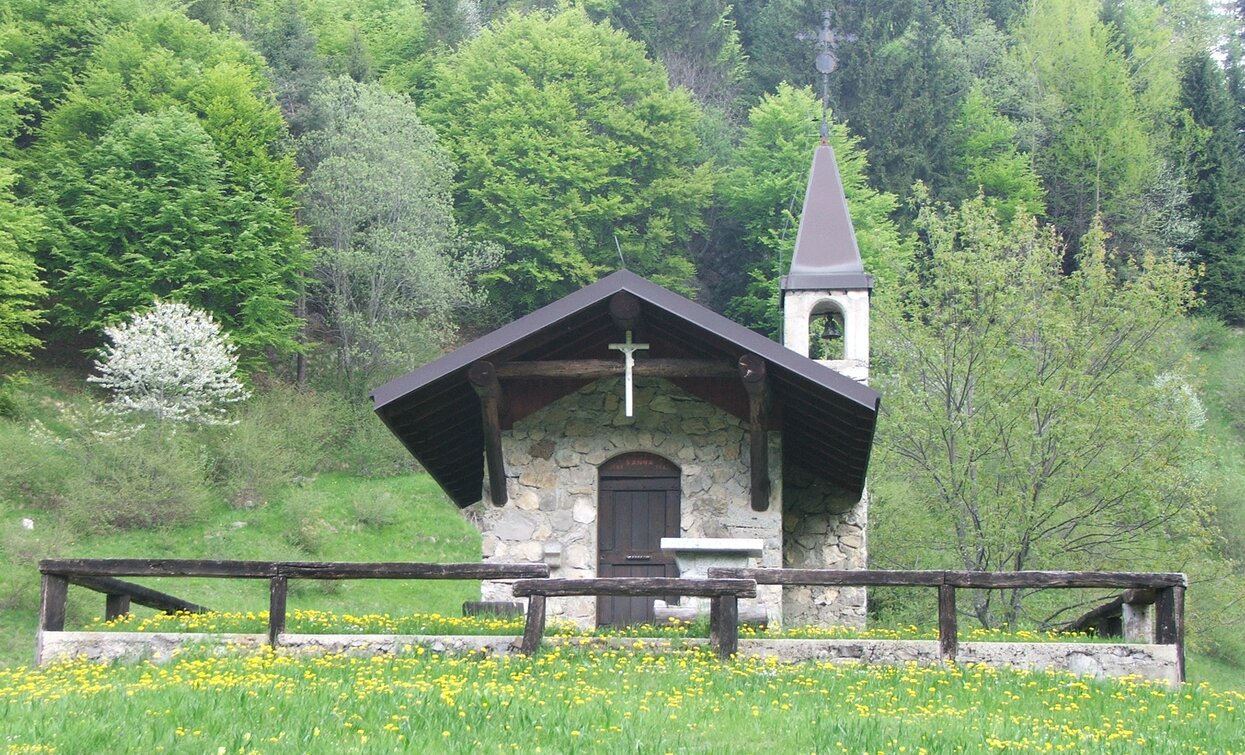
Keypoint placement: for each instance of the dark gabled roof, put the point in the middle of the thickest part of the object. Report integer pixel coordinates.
(826, 255)
(829, 418)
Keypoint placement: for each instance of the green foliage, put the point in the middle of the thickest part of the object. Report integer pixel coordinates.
(599, 700)
(568, 138)
(168, 178)
(21, 291)
(985, 153)
(695, 40)
(1032, 420)
(1103, 101)
(765, 191)
(281, 435)
(50, 43)
(1216, 176)
(150, 214)
(393, 275)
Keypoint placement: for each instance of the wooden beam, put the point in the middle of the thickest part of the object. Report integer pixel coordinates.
(948, 626)
(534, 627)
(625, 311)
(1169, 622)
(752, 373)
(656, 586)
(144, 596)
(157, 567)
(593, 369)
(483, 378)
(724, 625)
(278, 591)
(836, 577)
(52, 595)
(410, 570)
(116, 605)
(997, 580)
(90, 572)
(935, 578)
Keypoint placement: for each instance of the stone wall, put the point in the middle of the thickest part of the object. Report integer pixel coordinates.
(1160, 662)
(552, 458)
(822, 530)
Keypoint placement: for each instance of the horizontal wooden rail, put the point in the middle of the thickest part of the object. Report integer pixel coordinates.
(724, 595)
(699, 588)
(136, 567)
(937, 578)
(1168, 591)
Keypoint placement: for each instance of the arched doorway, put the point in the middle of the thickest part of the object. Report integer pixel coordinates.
(639, 505)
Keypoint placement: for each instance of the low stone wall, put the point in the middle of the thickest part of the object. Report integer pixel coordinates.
(1096, 659)
(161, 646)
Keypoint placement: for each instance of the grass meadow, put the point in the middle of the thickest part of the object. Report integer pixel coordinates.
(569, 699)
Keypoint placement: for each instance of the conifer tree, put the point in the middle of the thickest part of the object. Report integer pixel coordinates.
(1217, 189)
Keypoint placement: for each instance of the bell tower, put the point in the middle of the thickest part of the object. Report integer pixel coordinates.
(825, 297)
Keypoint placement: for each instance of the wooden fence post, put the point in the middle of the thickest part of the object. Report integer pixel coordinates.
(52, 595)
(724, 625)
(116, 605)
(277, 592)
(948, 629)
(534, 629)
(1169, 622)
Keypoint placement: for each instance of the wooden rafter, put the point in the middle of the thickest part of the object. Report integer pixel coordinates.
(592, 369)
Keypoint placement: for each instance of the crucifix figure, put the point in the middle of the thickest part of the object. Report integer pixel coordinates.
(628, 349)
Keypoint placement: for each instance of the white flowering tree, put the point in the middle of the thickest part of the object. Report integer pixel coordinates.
(173, 363)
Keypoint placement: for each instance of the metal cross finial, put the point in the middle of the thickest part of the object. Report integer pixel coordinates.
(826, 61)
(628, 349)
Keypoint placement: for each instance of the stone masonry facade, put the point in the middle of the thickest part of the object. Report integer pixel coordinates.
(552, 458)
(822, 530)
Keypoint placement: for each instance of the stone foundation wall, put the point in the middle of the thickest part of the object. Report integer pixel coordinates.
(816, 537)
(552, 457)
(1099, 660)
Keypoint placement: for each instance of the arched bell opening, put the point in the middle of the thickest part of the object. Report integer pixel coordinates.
(827, 331)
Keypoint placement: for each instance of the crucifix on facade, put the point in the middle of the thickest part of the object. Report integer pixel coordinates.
(628, 349)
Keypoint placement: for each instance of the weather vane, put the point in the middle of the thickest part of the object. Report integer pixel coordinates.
(826, 61)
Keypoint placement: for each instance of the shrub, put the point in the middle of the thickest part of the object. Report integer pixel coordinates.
(1208, 334)
(142, 481)
(172, 363)
(280, 435)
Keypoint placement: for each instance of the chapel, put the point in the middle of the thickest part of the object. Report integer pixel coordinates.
(587, 432)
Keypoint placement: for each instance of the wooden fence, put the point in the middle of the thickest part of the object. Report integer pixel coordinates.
(1168, 592)
(724, 587)
(101, 575)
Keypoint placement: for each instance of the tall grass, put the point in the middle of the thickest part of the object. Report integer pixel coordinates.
(581, 700)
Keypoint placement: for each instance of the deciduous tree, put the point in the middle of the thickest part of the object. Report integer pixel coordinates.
(567, 139)
(1032, 419)
(393, 274)
(166, 170)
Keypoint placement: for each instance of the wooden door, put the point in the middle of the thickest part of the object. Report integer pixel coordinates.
(639, 505)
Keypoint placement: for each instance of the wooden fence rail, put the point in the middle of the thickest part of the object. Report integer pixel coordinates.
(1168, 592)
(101, 575)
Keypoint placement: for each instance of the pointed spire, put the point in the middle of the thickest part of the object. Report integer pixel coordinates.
(826, 255)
